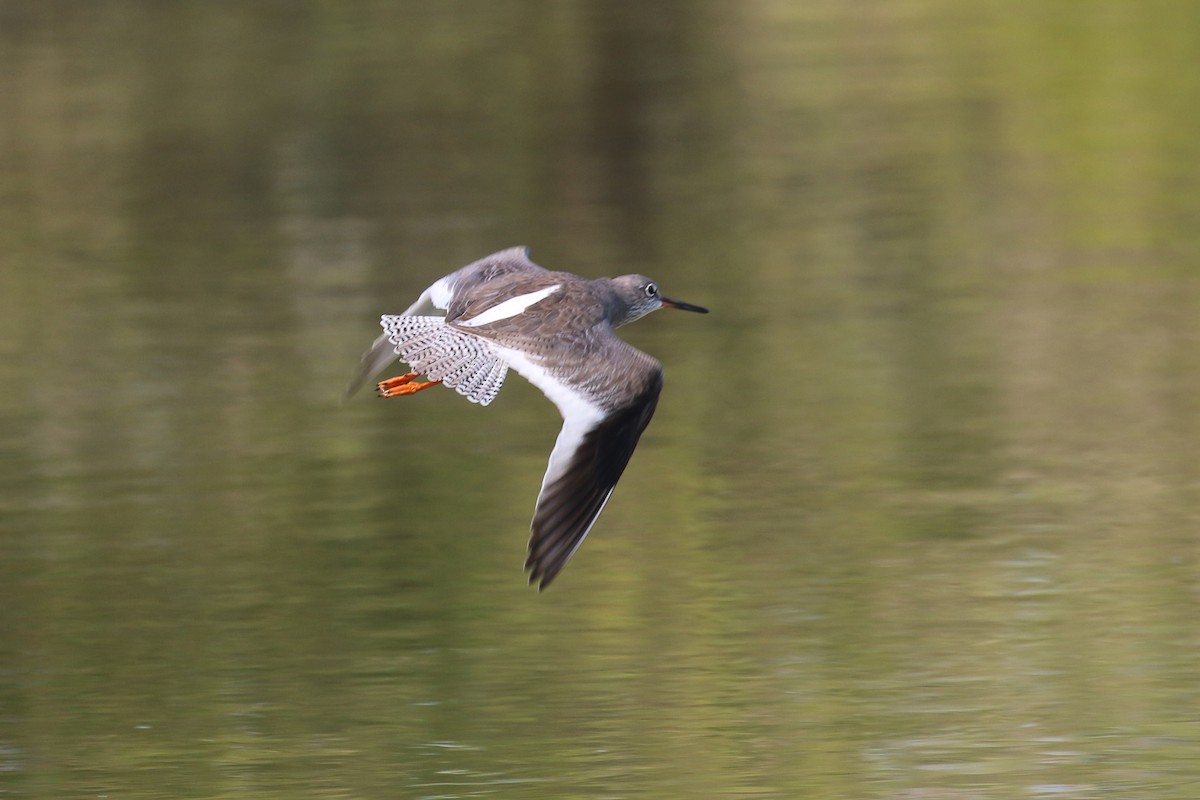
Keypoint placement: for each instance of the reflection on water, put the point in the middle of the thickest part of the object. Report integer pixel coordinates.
(916, 516)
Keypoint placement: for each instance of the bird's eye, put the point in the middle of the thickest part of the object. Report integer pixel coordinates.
(651, 290)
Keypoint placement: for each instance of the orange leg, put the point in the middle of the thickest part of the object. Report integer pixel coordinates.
(402, 385)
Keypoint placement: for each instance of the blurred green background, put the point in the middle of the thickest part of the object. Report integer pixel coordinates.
(918, 513)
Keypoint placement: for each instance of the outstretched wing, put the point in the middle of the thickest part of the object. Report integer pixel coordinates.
(587, 461)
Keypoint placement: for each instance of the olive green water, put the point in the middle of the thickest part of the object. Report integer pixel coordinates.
(919, 513)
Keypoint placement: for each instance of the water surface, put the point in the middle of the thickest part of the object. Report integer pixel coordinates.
(917, 515)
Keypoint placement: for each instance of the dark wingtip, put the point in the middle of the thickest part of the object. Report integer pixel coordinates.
(538, 575)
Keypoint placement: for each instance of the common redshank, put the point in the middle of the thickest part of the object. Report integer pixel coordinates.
(556, 330)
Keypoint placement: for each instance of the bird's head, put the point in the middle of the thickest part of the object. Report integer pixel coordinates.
(637, 296)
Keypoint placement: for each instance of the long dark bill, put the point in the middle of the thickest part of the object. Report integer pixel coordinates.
(669, 303)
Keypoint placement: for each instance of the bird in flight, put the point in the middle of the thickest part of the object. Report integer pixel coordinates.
(556, 330)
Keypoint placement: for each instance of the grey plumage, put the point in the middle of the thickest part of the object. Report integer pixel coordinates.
(556, 330)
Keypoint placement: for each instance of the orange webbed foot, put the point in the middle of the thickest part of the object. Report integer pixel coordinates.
(402, 385)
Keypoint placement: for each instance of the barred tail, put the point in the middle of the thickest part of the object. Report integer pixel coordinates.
(461, 361)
